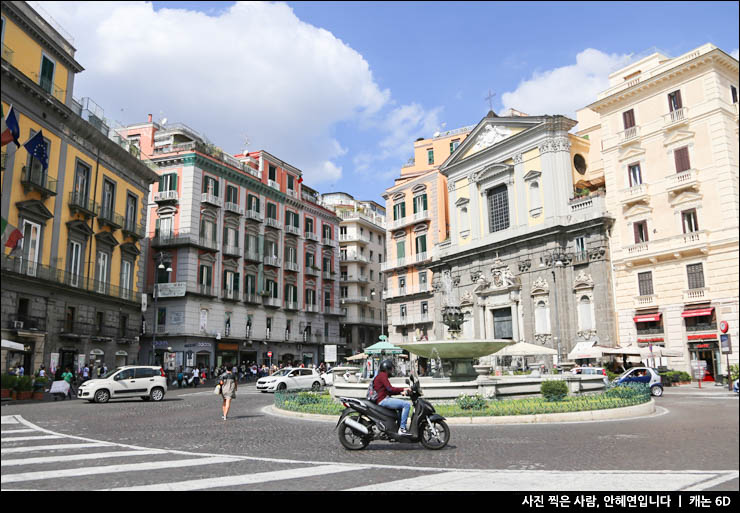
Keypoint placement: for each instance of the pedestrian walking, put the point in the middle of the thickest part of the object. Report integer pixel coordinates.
(228, 390)
(180, 377)
(68, 377)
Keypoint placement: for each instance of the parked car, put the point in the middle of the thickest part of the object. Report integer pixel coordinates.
(290, 379)
(643, 375)
(149, 383)
(591, 371)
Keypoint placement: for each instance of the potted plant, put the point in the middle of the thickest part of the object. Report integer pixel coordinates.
(38, 388)
(24, 388)
(8, 385)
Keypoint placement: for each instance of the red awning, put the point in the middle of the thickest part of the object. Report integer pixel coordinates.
(704, 336)
(698, 312)
(647, 318)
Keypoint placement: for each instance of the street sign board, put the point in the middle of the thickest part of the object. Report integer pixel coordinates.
(698, 368)
(725, 343)
(177, 289)
(330, 353)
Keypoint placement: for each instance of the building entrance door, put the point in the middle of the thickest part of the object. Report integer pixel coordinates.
(708, 352)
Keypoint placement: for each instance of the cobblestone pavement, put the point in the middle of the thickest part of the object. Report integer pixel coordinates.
(183, 444)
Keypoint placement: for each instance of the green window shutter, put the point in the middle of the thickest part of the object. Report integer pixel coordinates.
(209, 276)
(400, 247)
(215, 188)
(161, 183)
(425, 202)
(156, 228)
(403, 209)
(205, 183)
(174, 181)
(236, 282)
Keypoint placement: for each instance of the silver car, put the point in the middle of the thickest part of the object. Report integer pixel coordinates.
(643, 375)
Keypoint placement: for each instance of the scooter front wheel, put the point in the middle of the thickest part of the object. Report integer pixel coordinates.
(349, 438)
(435, 435)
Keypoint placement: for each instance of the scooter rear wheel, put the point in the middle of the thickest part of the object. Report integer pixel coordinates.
(435, 435)
(349, 438)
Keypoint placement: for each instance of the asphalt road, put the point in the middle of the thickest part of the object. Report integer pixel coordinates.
(690, 443)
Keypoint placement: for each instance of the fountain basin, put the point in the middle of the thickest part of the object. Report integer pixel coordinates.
(455, 349)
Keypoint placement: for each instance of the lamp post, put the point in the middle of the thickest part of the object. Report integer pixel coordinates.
(382, 311)
(156, 310)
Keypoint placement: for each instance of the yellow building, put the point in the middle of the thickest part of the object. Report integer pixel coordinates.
(666, 134)
(416, 220)
(71, 293)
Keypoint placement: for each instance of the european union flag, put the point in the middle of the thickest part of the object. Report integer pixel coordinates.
(36, 146)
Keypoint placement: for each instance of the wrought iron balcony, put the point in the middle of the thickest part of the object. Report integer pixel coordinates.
(79, 202)
(36, 180)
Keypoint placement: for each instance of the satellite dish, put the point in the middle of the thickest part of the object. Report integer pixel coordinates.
(163, 121)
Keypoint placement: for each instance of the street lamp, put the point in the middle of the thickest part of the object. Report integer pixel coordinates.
(156, 310)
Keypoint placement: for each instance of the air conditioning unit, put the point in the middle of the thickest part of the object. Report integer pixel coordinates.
(18, 325)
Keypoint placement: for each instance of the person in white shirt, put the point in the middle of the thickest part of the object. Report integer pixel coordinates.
(196, 376)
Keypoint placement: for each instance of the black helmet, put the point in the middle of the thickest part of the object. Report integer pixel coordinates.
(387, 366)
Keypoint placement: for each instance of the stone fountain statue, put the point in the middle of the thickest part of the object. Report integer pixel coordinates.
(452, 315)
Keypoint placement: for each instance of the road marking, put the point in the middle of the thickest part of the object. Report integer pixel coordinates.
(245, 479)
(504, 480)
(24, 438)
(17, 450)
(77, 457)
(112, 469)
(9, 431)
(8, 419)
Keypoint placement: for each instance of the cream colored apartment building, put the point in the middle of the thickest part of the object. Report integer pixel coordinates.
(361, 253)
(666, 134)
(417, 220)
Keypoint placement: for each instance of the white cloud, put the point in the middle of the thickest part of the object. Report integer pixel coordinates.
(736, 53)
(254, 69)
(566, 89)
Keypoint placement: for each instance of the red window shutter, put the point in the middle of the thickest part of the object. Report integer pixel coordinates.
(682, 159)
(679, 103)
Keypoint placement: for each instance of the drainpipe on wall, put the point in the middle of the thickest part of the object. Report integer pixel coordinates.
(92, 219)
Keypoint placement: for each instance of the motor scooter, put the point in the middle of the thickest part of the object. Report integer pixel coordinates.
(364, 421)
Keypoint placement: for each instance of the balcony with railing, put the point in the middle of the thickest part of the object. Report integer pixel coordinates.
(166, 196)
(328, 275)
(291, 193)
(676, 117)
(210, 199)
(311, 236)
(327, 241)
(676, 246)
(311, 308)
(313, 271)
(292, 305)
(353, 257)
(333, 310)
(629, 135)
(677, 182)
(634, 194)
(37, 180)
(201, 289)
(272, 302)
(273, 184)
(252, 297)
(230, 294)
(25, 322)
(107, 217)
(273, 223)
(24, 267)
(355, 299)
(47, 85)
(698, 295)
(131, 229)
(230, 250)
(646, 301)
(233, 208)
(253, 215)
(79, 203)
(408, 290)
(354, 237)
(292, 266)
(208, 243)
(271, 261)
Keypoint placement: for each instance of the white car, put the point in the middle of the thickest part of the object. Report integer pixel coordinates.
(290, 379)
(130, 381)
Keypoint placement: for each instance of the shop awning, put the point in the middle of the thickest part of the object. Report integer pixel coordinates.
(584, 350)
(647, 317)
(699, 312)
(9, 344)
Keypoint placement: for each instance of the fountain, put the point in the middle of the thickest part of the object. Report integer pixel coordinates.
(457, 352)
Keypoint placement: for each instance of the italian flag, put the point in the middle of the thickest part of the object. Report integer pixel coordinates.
(10, 234)
(10, 130)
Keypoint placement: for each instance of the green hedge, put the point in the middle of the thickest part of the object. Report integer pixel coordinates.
(670, 377)
(630, 394)
(8, 381)
(553, 390)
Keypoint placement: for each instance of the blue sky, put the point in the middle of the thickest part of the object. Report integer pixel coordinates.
(341, 90)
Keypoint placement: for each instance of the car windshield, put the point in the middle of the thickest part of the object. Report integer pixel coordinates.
(110, 373)
(281, 372)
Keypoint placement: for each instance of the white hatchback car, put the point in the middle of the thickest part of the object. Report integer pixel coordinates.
(130, 381)
(290, 378)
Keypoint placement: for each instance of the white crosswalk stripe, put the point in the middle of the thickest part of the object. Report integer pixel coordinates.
(226, 481)
(24, 472)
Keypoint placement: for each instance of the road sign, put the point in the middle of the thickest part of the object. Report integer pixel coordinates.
(269, 354)
(724, 327)
(724, 342)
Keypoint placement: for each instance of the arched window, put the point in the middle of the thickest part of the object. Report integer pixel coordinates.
(584, 313)
(540, 318)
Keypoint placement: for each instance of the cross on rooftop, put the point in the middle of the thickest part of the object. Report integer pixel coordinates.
(490, 98)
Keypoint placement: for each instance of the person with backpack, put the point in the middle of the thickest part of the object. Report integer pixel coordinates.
(382, 390)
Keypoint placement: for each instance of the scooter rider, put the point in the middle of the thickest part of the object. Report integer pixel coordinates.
(382, 386)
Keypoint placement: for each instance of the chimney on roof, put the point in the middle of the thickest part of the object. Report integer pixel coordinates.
(149, 118)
